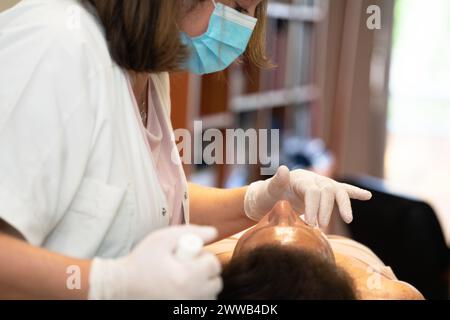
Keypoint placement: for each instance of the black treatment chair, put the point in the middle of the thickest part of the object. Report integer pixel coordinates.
(405, 233)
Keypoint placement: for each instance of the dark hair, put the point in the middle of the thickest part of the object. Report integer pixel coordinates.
(142, 33)
(278, 272)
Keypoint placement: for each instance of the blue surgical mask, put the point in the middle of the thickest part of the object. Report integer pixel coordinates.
(226, 39)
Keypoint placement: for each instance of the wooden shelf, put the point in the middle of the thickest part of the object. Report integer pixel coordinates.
(222, 120)
(275, 98)
(291, 12)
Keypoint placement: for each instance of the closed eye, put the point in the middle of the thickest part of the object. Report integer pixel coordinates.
(240, 9)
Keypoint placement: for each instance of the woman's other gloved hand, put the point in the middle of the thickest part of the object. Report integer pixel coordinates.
(153, 271)
(309, 193)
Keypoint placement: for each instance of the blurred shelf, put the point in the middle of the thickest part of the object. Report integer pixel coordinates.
(275, 98)
(292, 12)
(222, 120)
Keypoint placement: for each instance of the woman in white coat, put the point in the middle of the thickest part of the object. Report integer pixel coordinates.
(87, 184)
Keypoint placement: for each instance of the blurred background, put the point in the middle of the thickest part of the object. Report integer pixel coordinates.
(369, 107)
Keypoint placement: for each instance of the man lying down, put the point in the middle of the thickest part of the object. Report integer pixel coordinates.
(284, 258)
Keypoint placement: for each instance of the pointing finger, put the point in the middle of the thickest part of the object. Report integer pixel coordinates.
(356, 193)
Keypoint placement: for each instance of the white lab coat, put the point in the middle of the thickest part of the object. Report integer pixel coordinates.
(76, 176)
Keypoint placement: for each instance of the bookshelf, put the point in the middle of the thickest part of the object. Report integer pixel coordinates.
(244, 97)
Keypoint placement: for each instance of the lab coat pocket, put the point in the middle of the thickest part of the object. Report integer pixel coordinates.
(82, 229)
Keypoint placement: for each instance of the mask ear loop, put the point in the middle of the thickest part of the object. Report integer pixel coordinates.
(215, 7)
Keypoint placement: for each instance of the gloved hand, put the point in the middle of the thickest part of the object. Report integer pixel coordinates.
(152, 271)
(309, 194)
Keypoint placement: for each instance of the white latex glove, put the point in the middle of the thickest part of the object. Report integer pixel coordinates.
(309, 194)
(153, 271)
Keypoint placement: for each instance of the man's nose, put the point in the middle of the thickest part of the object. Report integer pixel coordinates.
(283, 214)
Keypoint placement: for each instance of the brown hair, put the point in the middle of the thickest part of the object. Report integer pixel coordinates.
(256, 51)
(142, 34)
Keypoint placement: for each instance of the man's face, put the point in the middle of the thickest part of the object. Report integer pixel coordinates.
(283, 226)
